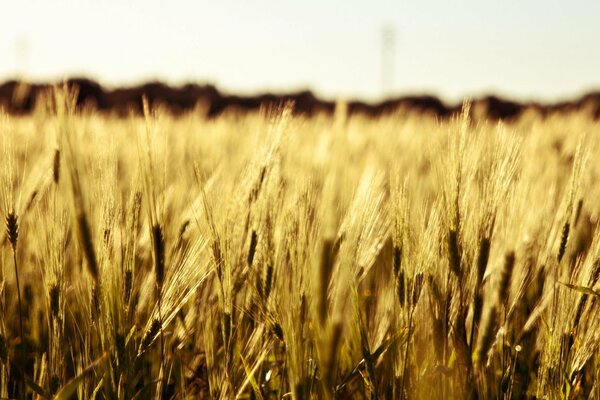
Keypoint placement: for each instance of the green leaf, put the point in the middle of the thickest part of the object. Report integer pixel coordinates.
(250, 378)
(142, 391)
(130, 335)
(36, 388)
(67, 390)
(97, 389)
(374, 357)
(581, 289)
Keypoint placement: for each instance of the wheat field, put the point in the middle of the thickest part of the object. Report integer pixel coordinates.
(275, 256)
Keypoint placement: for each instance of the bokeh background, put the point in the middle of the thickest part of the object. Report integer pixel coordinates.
(526, 50)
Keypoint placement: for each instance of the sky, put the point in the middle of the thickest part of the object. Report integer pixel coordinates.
(527, 49)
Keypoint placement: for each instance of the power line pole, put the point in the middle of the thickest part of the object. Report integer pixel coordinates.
(388, 45)
(21, 56)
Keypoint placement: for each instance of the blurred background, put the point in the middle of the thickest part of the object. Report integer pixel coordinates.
(526, 50)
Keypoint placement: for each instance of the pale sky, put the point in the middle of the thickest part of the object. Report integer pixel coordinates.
(528, 49)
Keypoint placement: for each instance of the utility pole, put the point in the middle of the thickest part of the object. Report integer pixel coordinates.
(388, 45)
(21, 56)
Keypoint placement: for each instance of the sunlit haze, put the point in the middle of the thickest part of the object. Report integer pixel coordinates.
(524, 49)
